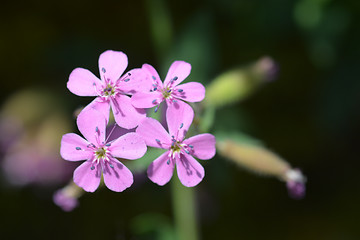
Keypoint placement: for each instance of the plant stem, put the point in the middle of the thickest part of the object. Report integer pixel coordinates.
(184, 210)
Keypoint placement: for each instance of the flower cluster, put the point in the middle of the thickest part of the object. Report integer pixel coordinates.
(128, 95)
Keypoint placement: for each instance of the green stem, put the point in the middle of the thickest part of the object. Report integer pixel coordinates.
(184, 210)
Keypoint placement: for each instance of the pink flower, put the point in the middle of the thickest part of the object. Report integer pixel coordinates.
(100, 154)
(112, 89)
(170, 91)
(180, 151)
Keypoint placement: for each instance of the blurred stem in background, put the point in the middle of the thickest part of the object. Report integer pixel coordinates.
(183, 198)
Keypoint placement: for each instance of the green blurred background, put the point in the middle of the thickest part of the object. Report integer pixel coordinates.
(309, 114)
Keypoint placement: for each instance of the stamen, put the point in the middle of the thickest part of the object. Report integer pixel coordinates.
(78, 148)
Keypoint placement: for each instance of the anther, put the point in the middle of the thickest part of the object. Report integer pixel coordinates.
(103, 70)
(157, 140)
(94, 84)
(156, 109)
(78, 148)
(186, 151)
(181, 125)
(112, 166)
(175, 78)
(168, 162)
(96, 129)
(129, 74)
(155, 89)
(153, 77)
(126, 80)
(191, 146)
(108, 144)
(180, 90)
(154, 101)
(174, 101)
(92, 168)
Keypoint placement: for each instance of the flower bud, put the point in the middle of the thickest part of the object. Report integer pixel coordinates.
(67, 198)
(260, 160)
(237, 84)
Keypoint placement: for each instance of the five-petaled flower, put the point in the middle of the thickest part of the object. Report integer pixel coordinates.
(113, 89)
(100, 154)
(170, 91)
(179, 151)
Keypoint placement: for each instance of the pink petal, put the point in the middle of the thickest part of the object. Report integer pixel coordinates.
(74, 148)
(190, 172)
(191, 92)
(153, 133)
(179, 118)
(153, 74)
(112, 64)
(203, 146)
(86, 178)
(159, 171)
(136, 80)
(101, 106)
(81, 82)
(179, 69)
(117, 178)
(92, 124)
(126, 116)
(146, 99)
(128, 146)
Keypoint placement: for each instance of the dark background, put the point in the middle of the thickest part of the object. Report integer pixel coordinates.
(309, 115)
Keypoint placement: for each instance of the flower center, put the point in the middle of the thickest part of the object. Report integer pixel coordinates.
(100, 153)
(108, 91)
(175, 147)
(166, 92)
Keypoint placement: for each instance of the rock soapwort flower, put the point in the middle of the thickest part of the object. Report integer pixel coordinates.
(100, 154)
(112, 89)
(180, 151)
(169, 91)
